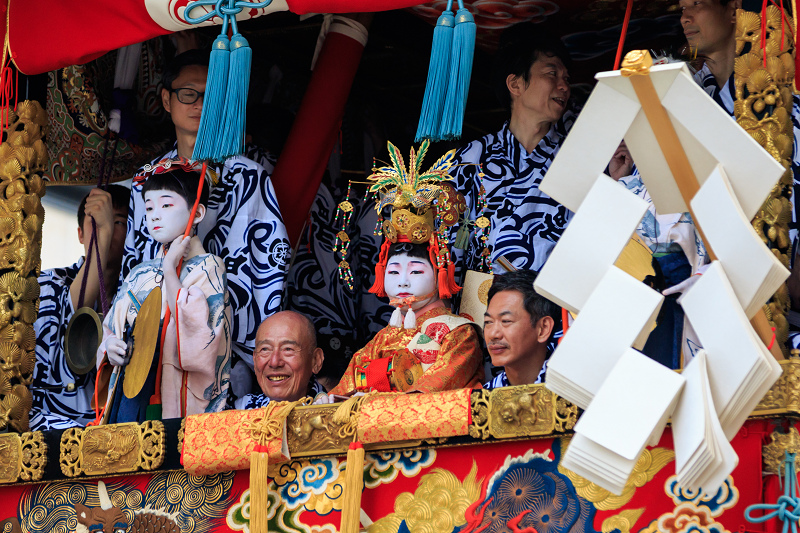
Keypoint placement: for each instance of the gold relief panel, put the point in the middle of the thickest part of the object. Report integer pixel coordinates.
(479, 403)
(312, 429)
(774, 452)
(22, 457)
(113, 449)
(784, 396)
(521, 411)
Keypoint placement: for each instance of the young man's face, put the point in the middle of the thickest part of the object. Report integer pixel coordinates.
(166, 215)
(410, 276)
(708, 25)
(544, 96)
(186, 117)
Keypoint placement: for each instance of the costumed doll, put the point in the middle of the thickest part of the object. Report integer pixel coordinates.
(425, 348)
(195, 351)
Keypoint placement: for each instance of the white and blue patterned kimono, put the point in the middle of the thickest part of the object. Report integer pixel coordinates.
(57, 408)
(243, 226)
(501, 379)
(257, 401)
(525, 222)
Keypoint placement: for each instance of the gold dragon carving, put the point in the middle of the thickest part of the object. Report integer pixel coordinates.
(763, 107)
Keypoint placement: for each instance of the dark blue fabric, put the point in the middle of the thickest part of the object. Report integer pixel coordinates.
(664, 343)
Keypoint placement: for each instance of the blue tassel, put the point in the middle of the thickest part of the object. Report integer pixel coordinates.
(214, 100)
(231, 139)
(438, 76)
(460, 73)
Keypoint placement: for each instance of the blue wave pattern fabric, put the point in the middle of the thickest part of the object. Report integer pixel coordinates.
(57, 409)
(501, 379)
(243, 226)
(525, 222)
(257, 401)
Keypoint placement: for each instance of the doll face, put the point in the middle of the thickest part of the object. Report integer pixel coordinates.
(410, 276)
(166, 215)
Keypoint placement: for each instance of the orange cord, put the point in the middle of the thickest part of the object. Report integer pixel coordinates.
(624, 33)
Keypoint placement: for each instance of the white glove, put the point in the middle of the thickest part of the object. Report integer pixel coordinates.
(686, 284)
(322, 398)
(117, 351)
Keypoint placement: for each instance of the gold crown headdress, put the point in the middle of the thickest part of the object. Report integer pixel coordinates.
(420, 201)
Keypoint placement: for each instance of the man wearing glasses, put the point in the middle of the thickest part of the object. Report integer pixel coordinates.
(243, 224)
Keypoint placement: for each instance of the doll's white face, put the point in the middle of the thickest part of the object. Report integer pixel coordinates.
(166, 215)
(410, 276)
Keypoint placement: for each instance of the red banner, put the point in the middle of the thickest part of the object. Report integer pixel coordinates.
(49, 34)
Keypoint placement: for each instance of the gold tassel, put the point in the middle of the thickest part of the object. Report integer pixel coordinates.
(259, 490)
(353, 485)
(264, 429)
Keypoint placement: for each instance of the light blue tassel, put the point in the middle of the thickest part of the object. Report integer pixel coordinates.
(231, 140)
(438, 76)
(460, 73)
(214, 99)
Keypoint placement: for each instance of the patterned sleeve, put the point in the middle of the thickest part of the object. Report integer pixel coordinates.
(57, 408)
(458, 365)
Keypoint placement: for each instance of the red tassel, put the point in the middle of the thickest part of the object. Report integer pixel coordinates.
(380, 270)
(451, 278)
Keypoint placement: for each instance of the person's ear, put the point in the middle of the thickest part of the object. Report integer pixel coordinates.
(200, 215)
(317, 356)
(545, 328)
(515, 85)
(734, 6)
(80, 234)
(165, 94)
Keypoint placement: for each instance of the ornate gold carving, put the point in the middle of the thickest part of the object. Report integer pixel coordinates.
(784, 396)
(774, 452)
(113, 449)
(312, 428)
(763, 108)
(521, 411)
(479, 428)
(649, 464)
(181, 433)
(566, 415)
(22, 457)
(34, 456)
(636, 62)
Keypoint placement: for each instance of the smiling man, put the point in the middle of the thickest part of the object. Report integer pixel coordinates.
(286, 358)
(518, 326)
(505, 169)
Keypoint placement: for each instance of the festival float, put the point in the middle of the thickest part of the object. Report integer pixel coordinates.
(463, 460)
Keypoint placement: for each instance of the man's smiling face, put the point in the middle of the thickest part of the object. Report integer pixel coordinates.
(285, 356)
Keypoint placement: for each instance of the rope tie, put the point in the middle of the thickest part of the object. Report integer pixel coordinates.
(787, 508)
(347, 414)
(269, 426)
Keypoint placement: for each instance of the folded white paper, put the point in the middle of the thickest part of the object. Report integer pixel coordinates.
(754, 272)
(583, 254)
(617, 315)
(630, 409)
(740, 368)
(703, 456)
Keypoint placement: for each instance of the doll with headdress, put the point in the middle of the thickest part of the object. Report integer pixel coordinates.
(425, 348)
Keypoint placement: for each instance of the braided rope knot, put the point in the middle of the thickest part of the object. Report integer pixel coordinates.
(269, 425)
(347, 414)
(787, 508)
(222, 9)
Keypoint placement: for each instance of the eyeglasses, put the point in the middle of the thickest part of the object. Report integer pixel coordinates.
(188, 96)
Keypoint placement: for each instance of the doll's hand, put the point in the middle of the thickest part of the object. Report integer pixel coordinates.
(117, 351)
(322, 398)
(179, 249)
(686, 284)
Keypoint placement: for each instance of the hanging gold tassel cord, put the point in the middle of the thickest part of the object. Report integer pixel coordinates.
(347, 416)
(264, 429)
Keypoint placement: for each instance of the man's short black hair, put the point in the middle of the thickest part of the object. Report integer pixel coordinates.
(178, 181)
(520, 46)
(120, 199)
(420, 251)
(181, 61)
(522, 281)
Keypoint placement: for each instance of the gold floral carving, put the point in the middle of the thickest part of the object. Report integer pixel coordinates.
(784, 396)
(525, 410)
(649, 464)
(113, 449)
(181, 433)
(312, 429)
(622, 522)
(479, 428)
(23, 158)
(566, 415)
(774, 452)
(22, 457)
(763, 107)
